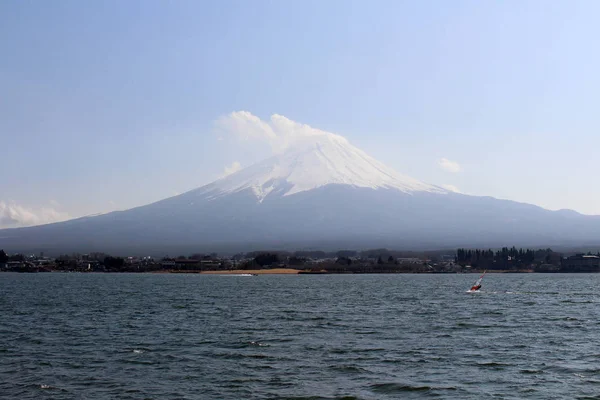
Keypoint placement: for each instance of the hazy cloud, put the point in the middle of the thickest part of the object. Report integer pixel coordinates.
(232, 169)
(279, 132)
(450, 166)
(13, 215)
(246, 126)
(451, 188)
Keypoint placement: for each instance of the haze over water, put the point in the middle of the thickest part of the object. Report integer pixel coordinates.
(138, 336)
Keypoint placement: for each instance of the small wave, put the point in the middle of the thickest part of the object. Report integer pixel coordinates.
(242, 356)
(317, 398)
(561, 319)
(493, 364)
(255, 366)
(350, 351)
(282, 340)
(258, 344)
(576, 302)
(531, 371)
(398, 388)
(312, 319)
(247, 380)
(347, 368)
(136, 362)
(462, 325)
(138, 351)
(528, 390)
(52, 388)
(258, 356)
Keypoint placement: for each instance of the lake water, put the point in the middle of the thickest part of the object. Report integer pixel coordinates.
(155, 336)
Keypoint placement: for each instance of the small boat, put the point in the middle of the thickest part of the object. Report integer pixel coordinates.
(477, 285)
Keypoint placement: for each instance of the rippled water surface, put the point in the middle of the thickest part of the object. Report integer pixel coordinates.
(155, 336)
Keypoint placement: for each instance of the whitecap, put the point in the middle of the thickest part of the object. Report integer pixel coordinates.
(259, 344)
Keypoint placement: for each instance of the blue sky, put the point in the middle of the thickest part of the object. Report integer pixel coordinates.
(107, 105)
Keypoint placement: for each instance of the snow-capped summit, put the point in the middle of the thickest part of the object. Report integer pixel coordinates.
(314, 162)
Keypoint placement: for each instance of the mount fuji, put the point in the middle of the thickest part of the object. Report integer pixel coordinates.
(321, 193)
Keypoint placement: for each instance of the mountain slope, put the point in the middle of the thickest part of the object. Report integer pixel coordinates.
(323, 193)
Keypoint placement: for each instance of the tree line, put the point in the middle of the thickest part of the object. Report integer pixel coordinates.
(506, 258)
(4, 258)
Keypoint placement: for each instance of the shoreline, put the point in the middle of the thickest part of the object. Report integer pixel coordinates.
(274, 271)
(292, 271)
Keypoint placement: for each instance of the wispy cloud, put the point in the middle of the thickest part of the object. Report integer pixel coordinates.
(451, 188)
(279, 132)
(13, 215)
(450, 166)
(232, 169)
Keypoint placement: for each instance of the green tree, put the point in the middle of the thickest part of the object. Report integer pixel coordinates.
(3, 257)
(266, 259)
(343, 261)
(114, 262)
(346, 253)
(296, 260)
(17, 257)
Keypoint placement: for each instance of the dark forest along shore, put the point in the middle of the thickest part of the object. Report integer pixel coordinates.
(135, 336)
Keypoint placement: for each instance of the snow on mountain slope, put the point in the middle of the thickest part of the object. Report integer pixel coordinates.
(315, 162)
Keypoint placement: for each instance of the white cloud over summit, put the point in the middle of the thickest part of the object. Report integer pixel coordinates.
(13, 215)
(450, 166)
(232, 169)
(282, 133)
(278, 132)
